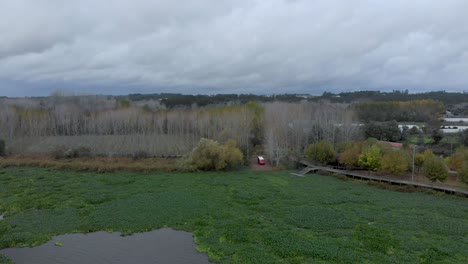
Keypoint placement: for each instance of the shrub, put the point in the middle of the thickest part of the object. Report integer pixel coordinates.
(322, 152)
(459, 158)
(140, 155)
(370, 158)
(2, 147)
(434, 168)
(420, 158)
(58, 152)
(395, 162)
(350, 156)
(82, 152)
(62, 152)
(210, 155)
(414, 131)
(463, 173)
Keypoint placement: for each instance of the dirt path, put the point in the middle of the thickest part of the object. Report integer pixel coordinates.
(255, 167)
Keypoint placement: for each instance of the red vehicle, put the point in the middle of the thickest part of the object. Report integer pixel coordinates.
(260, 160)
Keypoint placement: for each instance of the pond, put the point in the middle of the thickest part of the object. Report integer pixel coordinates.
(159, 246)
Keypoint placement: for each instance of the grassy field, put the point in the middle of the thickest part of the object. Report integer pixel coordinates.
(240, 217)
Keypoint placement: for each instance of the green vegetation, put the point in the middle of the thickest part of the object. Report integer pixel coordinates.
(386, 131)
(434, 168)
(350, 155)
(401, 111)
(418, 140)
(240, 217)
(5, 260)
(370, 158)
(59, 244)
(395, 162)
(463, 173)
(210, 155)
(459, 158)
(321, 151)
(96, 164)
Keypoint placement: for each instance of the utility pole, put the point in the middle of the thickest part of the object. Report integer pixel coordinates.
(412, 173)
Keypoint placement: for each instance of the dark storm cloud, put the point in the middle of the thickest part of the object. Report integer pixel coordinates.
(234, 46)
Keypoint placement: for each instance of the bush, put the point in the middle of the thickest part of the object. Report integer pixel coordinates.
(62, 152)
(82, 152)
(210, 155)
(434, 168)
(322, 152)
(370, 158)
(420, 158)
(2, 147)
(463, 173)
(58, 152)
(350, 156)
(140, 155)
(395, 162)
(459, 158)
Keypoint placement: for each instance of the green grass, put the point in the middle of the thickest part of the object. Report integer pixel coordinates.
(240, 217)
(415, 140)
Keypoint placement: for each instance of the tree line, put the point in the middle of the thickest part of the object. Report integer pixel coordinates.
(107, 125)
(400, 111)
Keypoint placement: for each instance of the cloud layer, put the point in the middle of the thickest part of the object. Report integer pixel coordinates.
(205, 46)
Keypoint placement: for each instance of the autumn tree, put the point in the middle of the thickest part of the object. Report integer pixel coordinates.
(434, 168)
(459, 158)
(370, 158)
(210, 155)
(350, 156)
(395, 162)
(420, 158)
(463, 173)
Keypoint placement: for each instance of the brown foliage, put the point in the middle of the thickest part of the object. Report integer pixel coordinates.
(97, 164)
(395, 162)
(350, 156)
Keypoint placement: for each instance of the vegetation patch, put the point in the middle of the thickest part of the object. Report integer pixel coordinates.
(239, 217)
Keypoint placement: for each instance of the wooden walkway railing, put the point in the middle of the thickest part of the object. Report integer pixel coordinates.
(438, 187)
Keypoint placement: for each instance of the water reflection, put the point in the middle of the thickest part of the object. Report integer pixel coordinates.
(159, 246)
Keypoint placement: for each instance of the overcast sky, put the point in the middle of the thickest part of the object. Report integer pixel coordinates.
(238, 46)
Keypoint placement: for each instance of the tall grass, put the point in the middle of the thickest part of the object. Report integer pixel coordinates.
(95, 164)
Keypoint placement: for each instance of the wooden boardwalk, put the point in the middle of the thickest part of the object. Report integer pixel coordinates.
(438, 187)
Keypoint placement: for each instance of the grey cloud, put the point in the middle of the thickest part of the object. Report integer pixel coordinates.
(231, 46)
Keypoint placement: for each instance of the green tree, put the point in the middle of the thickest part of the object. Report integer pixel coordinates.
(321, 151)
(437, 135)
(123, 103)
(395, 162)
(387, 131)
(370, 158)
(434, 168)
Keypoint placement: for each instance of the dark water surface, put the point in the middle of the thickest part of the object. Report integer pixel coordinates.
(159, 246)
